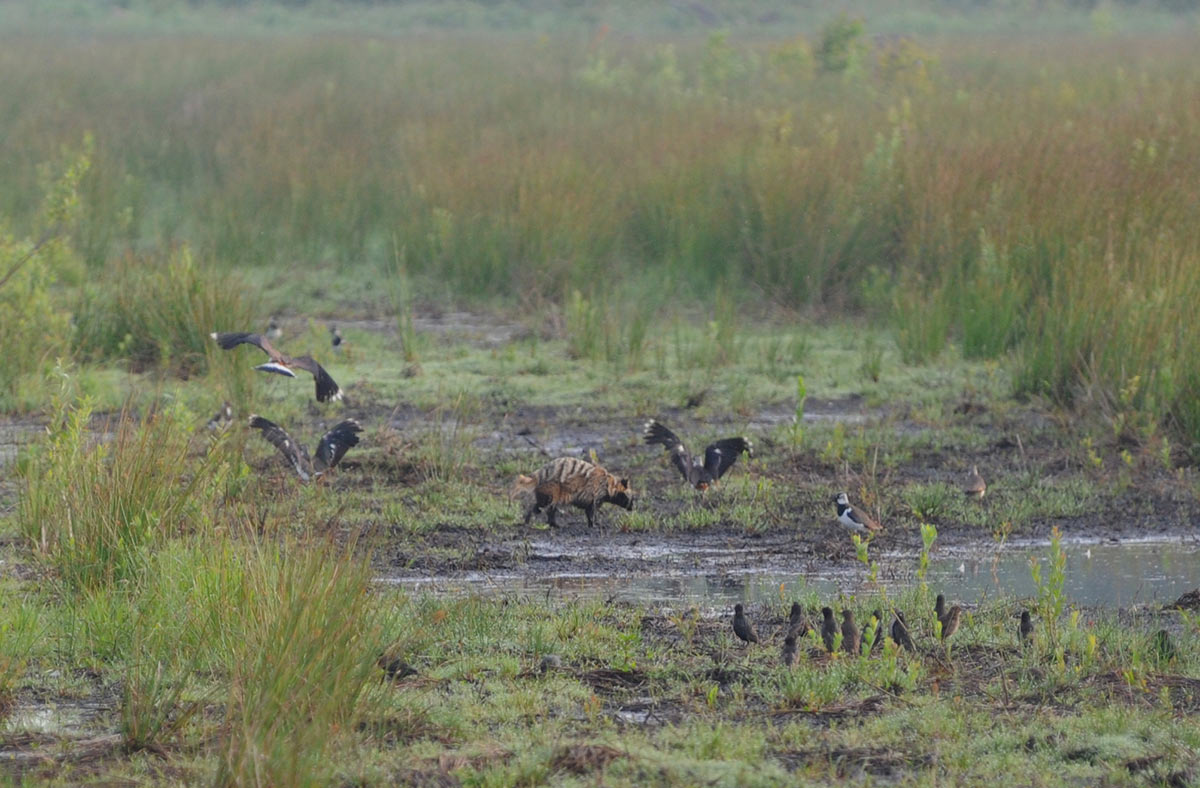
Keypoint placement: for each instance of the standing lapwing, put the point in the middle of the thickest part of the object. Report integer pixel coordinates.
(333, 446)
(281, 363)
(974, 486)
(858, 522)
(719, 456)
(742, 626)
(335, 338)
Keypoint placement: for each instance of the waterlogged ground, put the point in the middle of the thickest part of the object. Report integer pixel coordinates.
(577, 655)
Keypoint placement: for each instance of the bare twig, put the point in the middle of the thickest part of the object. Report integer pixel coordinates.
(48, 236)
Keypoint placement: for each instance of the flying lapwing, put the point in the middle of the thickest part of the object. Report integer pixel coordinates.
(330, 450)
(281, 363)
(719, 456)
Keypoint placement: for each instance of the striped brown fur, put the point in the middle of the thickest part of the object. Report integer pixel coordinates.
(571, 482)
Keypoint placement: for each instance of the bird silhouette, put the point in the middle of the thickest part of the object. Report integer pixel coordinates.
(1025, 629)
(789, 650)
(829, 628)
(950, 621)
(742, 626)
(900, 633)
(797, 623)
(850, 636)
(974, 486)
(281, 363)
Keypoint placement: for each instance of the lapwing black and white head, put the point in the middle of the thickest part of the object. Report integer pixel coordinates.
(335, 338)
(281, 363)
(330, 450)
(719, 456)
(742, 626)
(974, 486)
(274, 330)
(852, 519)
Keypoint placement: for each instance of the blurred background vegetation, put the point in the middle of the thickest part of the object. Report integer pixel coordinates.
(1002, 180)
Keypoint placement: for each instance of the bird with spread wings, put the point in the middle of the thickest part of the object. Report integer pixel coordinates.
(332, 447)
(719, 456)
(281, 363)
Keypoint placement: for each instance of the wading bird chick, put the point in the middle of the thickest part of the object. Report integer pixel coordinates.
(797, 624)
(877, 627)
(571, 482)
(950, 622)
(742, 626)
(790, 651)
(850, 638)
(829, 628)
(900, 633)
(333, 446)
(1025, 629)
(719, 456)
(858, 522)
(939, 606)
(281, 363)
(222, 419)
(974, 486)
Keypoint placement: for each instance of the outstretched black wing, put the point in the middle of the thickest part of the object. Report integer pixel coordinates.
(327, 389)
(656, 433)
(295, 454)
(228, 340)
(335, 444)
(722, 454)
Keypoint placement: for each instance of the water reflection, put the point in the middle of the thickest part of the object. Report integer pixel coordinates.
(1097, 574)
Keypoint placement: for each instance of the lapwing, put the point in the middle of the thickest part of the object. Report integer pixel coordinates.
(974, 486)
(281, 363)
(851, 641)
(332, 447)
(719, 456)
(274, 330)
(742, 626)
(858, 522)
(335, 338)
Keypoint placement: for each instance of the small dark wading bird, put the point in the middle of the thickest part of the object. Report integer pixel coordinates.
(790, 651)
(858, 522)
(829, 628)
(719, 456)
(1025, 629)
(222, 419)
(950, 621)
(333, 446)
(974, 486)
(281, 363)
(571, 482)
(900, 633)
(742, 626)
(797, 623)
(851, 643)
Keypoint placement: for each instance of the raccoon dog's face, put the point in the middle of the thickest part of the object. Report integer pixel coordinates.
(623, 497)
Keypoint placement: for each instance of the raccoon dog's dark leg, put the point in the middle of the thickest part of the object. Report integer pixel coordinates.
(531, 511)
(550, 513)
(591, 514)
